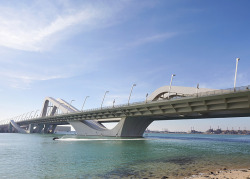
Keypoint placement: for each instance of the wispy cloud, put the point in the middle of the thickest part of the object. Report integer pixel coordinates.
(153, 38)
(21, 80)
(28, 30)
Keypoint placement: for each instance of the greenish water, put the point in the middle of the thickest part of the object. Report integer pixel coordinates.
(154, 156)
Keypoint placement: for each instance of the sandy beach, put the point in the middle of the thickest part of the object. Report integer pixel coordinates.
(225, 173)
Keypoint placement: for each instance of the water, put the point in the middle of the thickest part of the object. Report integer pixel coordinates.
(154, 156)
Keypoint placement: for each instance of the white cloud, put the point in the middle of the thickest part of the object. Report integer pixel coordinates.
(34, 28)
(22, 80)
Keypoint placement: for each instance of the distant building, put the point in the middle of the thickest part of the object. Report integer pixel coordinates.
(195, 132)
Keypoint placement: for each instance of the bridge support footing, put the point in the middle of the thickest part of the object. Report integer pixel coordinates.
(127, 127)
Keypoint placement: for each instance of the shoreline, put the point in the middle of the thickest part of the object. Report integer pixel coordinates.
(190, 133)
(224, 173)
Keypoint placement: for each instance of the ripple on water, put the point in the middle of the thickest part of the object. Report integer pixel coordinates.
(169, 155)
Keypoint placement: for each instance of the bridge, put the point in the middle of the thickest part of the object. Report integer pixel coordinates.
(133, 119)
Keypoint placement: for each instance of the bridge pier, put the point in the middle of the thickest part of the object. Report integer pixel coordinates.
(49, 128)
(127, 127)
(31, 128)
(46, 128)
(134, 127)
(10, 128)
(17, 128)
(40, 128)
(53, 128)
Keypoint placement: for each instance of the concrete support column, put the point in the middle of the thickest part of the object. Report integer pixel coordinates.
(31, 128)
(40, 128)
(53, 128)
(46, 129)
(134, 127)
(10, 128)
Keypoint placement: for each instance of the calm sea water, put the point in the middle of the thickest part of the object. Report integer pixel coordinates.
(154, 156)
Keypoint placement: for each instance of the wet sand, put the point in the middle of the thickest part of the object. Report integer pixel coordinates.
(225, 174)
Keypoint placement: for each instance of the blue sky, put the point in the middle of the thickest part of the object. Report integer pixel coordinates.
(72, 49)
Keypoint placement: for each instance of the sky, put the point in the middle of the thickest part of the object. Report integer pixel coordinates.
(73, 49)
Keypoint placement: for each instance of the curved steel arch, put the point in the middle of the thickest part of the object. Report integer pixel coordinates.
(57, 104)
(176, 91)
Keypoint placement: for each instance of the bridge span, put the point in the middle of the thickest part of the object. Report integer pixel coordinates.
(133, 119)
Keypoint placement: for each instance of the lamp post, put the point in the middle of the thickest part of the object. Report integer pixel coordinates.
(30, 114)
(237, 61)
(26, 115)
(70, 105)
(114, 103)
(170, 85)
(84, 102)
(18, 118)
(131, 92)
(197, 89)
(104, 97)
(146, 98)
(35, 113)
(22, 116)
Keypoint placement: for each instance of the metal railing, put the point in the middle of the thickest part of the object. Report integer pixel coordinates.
(222, 91)
(195, 95)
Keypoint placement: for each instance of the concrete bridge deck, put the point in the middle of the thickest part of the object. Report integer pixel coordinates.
(212, 104)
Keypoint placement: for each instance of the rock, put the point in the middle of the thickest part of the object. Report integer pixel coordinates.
(164, 177)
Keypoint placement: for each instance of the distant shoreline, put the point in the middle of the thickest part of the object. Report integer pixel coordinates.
(197, 132)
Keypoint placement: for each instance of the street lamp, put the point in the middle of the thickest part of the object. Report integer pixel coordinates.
(30, 114)
(197, 88)
(70, 105)
(146, 98)
(104, 98)
(84, 102)
(22, 116)
(18, 117)
(170, 85)
(114, 103)
(237, 61)
(35, 113)
(131, 92)
(26, 115)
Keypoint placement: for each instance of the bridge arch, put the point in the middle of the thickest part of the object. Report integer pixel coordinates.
(176, 92)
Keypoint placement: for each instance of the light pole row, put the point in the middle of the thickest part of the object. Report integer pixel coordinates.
(235, 77)
(172, 76)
